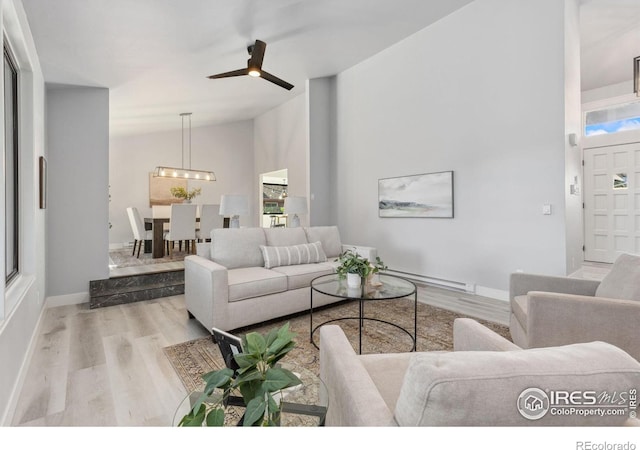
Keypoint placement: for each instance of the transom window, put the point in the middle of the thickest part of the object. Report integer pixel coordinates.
(613, 119)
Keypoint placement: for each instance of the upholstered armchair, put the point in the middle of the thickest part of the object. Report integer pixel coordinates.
(485, 381)
(550, 311)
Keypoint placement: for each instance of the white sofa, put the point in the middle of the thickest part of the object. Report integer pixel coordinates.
(228, 284)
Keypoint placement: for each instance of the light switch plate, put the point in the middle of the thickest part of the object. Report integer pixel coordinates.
(546, 209)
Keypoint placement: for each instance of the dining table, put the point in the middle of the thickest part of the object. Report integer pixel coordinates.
(156, 225)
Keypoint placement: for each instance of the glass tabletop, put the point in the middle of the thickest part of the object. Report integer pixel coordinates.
(304, 405)
(391, 287)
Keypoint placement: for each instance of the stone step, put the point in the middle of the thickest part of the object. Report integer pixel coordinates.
(135, 288)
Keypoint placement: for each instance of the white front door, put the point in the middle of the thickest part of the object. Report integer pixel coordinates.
(611, 201)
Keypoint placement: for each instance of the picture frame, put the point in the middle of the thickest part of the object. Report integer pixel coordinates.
(160, 190)
(42, 182)
(427, 195)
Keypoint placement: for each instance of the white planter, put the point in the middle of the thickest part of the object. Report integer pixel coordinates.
(353, 280)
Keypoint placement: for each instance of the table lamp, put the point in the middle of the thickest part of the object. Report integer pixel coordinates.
(295, 206)
(234, 205)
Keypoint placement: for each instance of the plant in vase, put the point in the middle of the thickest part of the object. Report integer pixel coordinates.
(357, 268)
(180, 192)
(258, 378)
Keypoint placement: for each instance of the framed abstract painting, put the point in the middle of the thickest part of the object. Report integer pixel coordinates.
(424, 195)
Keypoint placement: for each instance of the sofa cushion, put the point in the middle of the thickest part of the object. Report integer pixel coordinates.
(519, 307)
(237, 247)
(329, 236)
(281, 237)
(292, 255)
(249, 282)
(623, 280)
(480, 388)
(301, 275)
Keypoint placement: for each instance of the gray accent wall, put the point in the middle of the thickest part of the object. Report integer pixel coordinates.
(78, 194)
(321, 103)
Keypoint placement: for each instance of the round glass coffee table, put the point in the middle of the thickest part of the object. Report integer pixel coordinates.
(392, 287)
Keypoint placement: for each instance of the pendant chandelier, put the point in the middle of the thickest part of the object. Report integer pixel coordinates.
(183, 172)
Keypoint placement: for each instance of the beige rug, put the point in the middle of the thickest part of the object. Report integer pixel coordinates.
(194, 358)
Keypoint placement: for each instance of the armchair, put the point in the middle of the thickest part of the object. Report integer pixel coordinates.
(550, 311)
(485, 381)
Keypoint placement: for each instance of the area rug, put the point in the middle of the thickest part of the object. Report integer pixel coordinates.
(194, 358)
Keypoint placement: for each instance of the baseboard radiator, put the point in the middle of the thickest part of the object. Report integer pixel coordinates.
(437, 282)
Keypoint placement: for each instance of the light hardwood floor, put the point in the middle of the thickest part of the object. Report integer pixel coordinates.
(106, 367)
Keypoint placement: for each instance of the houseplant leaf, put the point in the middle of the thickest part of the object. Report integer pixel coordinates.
(255, 411)
(215, 418)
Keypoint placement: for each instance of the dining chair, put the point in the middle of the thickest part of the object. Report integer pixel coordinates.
(182, 227)
(137, 226)
(210, 218)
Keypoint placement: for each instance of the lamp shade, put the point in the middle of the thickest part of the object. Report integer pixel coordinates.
(295, 205)
(234, 205)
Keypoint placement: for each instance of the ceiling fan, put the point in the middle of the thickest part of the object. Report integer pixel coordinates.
(254, 67)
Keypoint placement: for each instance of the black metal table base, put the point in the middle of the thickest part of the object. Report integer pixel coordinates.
(361, 318)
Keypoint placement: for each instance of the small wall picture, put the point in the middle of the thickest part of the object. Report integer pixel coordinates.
(620, 181)
(425, 195)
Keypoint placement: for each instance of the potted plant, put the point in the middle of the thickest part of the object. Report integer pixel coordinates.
(357, 268)
(180, 192)
(258, 378)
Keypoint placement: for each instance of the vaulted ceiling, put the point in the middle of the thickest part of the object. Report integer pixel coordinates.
(155, 55)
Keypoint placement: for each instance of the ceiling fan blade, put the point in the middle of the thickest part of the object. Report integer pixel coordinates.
(257, 54)
(267, 76)
(233, 73)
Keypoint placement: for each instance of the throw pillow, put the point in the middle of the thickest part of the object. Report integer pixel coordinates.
(292, 255)
(623, 280)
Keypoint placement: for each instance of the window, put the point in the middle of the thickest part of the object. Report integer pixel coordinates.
(613, 119)
(11, 166)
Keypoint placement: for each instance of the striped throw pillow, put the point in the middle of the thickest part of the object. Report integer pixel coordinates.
(292, 255)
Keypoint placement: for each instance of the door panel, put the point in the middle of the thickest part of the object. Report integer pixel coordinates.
(612, 201)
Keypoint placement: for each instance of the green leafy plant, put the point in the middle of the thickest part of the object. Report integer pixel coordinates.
(180, 192)
(352, 262)
(257, 379)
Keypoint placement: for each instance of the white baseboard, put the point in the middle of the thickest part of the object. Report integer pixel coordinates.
(68, 299)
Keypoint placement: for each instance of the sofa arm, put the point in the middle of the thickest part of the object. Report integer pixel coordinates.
(469, 335)
(366, 252)
(354, 399)
(560, 319)
(206, 291)
(522, 283)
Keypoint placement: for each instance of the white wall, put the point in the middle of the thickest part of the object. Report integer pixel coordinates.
(574, 227)
(227, 150)
(78, 198)
(22, 302)
(481, 92)
(281, 141)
